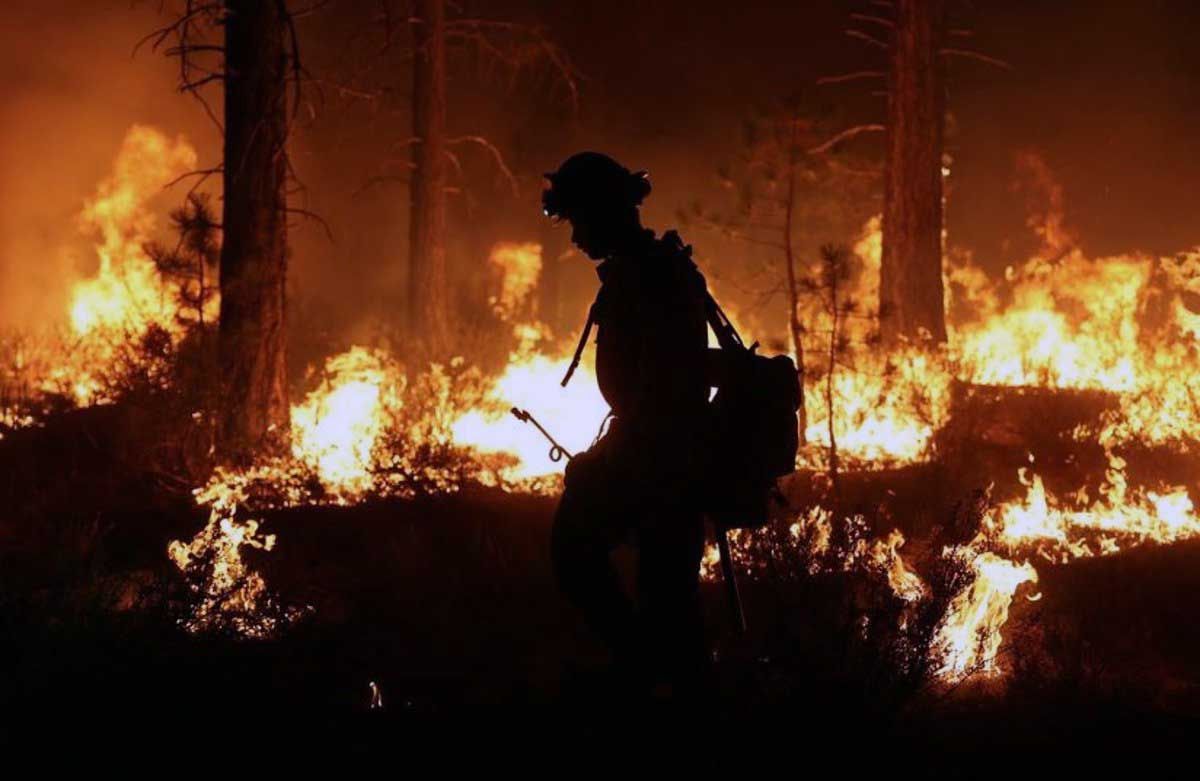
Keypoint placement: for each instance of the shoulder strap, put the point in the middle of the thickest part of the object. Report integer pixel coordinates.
(583, 338)
(727, 335)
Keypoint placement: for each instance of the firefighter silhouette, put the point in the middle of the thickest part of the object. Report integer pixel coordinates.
(638, 483)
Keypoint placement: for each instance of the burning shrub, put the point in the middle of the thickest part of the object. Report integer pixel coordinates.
(24, 363)
(874, 615)
(367, 431)
(230, 598)
(123, 325)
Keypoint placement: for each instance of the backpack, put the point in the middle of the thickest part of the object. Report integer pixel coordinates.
(753, 433)
(753, 429)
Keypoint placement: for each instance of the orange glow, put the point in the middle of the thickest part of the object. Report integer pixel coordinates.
(371, 427)
(126, 295)
(968, 638)
(336, 428)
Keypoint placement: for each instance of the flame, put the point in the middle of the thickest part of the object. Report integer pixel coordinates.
(112, 310)
(1125, 325)
(126, 291)
(1121, 517)
(519, 266)
(1119, 325)
(886, 410)
(228, 592)
(126, 296)
(336, 428)
(968, 638)
(572, 414)
(884, 553)
(1060, 320)
(1071, 324)
(531, 381)
(813, 532)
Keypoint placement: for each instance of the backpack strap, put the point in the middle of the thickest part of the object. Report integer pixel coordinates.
(727, 335)
(583, 338)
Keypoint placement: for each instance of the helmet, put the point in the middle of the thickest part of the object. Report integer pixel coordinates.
(591, 180)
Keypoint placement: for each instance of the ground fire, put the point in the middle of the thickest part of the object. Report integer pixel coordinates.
(227, 423)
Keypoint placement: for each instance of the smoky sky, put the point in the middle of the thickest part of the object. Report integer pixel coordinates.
(69, 90)
(1106, 92)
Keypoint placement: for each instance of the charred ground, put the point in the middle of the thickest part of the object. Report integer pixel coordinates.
(447, 605)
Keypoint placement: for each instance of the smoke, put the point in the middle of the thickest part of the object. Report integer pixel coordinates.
(70, 88)
(1103, 97)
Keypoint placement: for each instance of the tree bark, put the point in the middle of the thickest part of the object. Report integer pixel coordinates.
(251, 338)
(428, 304)
(911, 303)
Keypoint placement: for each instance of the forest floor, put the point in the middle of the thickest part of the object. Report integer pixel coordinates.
(447, 605)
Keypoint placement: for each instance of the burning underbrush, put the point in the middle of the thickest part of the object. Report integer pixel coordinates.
(372, 430)
(372, 425)
(1121, 328)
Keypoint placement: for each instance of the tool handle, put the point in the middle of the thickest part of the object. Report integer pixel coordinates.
(729, 575)
(557, 451)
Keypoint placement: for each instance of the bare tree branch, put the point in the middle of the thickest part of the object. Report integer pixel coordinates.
(870, 19)
(374, 181)
(855, 76)
(496, 156)
(188, 31)
(312, 216)
(974, 55)
(526, 44)
(846, 134)
(872, 40)
(202, 176)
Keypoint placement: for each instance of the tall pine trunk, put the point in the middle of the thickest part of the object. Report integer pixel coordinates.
(428, 311)
(911, 303)
(251, 339)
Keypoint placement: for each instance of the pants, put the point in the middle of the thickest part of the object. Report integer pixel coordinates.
(608, 501)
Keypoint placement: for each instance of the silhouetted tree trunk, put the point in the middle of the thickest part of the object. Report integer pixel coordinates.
(254, 250)
(428, 310)
(911, 274)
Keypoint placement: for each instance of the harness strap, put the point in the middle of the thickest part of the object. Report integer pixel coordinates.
(727, 335)
(583, 338)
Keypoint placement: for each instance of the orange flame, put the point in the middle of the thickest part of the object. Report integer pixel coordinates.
(336, 428)
(968, 638)
(126, 296)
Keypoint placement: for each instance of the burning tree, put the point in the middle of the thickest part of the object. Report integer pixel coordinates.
(911, 272)
(911, 296)
(254, 250)
(428, 301)
(259, 59)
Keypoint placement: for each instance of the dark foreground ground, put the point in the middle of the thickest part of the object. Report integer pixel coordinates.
(448, 606)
